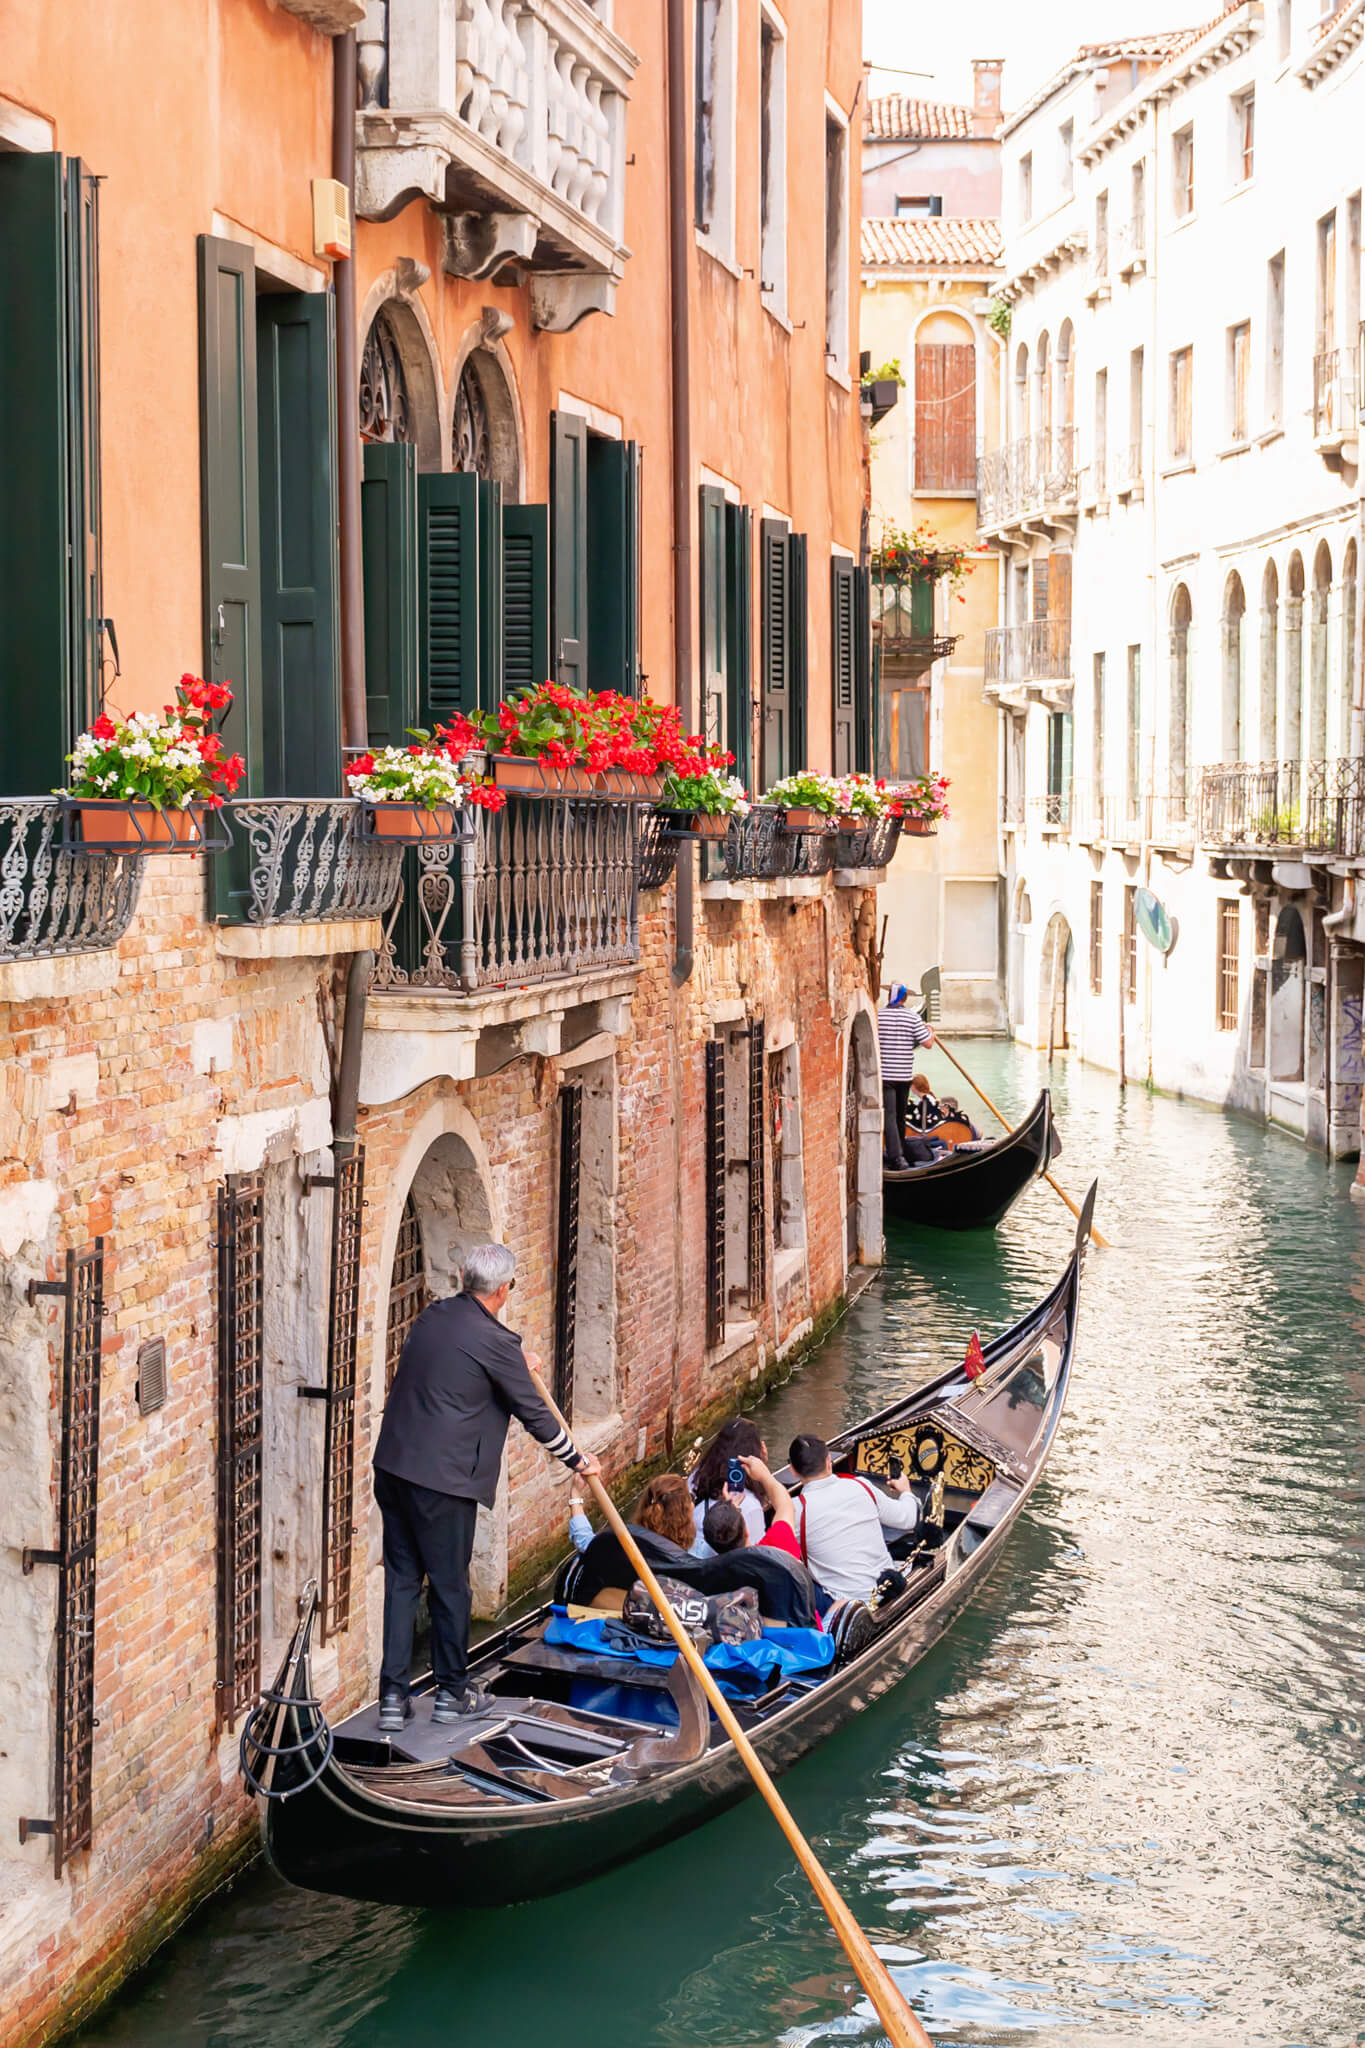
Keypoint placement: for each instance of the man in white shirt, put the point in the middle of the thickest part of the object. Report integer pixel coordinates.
(840, 1518)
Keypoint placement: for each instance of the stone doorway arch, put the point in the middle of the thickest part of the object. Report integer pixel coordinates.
(1288, 987)
(862, 1143)
(1054, 975)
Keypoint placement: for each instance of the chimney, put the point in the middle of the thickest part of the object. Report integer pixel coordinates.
(986, 94)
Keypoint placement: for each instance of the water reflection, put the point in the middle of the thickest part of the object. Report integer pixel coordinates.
(1121, 1802)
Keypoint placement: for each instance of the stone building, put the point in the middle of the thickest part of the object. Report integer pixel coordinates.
(254, 1103)
(1176, 511)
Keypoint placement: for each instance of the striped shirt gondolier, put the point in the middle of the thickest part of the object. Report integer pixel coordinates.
(899, 1031)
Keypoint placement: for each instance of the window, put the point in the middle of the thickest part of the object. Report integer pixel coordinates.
(1274, 341)
(1182, 392)
(1097, 938)
(836, 243)
(945, 415)
(1132, 760)
(1100, 463)
(594, 557)
(1066, 157)
(1327, 284)
(1137, 208)
(1284, 23)
(1229, 946)
(1059, 766)
(1136, 366)
(714, 144)
(726, 582)
(850, 665)
(1026, 187)
(1239, 380)
(1234, 667)
(1182, 173)
(735, 1190)
(1102, 235)
(1243, 137)
(903, 731)
(1097, 689)
(1130, 939)
(50, 534)
(773, 164)
(910, 207)
(783, 651)
(1178, 750)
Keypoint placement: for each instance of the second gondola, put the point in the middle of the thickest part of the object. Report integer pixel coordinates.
(975, 1185)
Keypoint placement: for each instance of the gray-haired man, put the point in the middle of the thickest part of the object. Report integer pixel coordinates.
(461, 1375)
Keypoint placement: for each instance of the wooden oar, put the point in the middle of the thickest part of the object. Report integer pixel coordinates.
(902, 2028)
(1096, 1236)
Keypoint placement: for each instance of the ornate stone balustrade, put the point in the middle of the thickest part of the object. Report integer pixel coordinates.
(510, 116)
(56, 902)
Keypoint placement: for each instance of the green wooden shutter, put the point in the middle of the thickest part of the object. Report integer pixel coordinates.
(488, 688)
(569, 548)
(388, 533)
(50, 596)
(862, 671)
(774, 545)
(525, 597)
(300, 666)
(711, 583)
(799, 669)
(843, 660)
(230, 515)
(739, 612)
(448, 596)
(613, 564)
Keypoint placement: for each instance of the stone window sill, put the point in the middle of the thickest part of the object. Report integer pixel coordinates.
(297, 941)
(72, 974)
(737, 1338)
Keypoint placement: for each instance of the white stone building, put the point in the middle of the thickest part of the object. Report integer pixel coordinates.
(1176, 510)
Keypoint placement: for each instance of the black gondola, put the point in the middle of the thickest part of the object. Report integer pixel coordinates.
(973, 1187)
(547, 1791)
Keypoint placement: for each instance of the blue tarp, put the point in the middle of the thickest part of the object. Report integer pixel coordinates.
(740, 1669)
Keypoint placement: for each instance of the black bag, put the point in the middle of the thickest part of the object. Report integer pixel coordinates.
(708, 1619)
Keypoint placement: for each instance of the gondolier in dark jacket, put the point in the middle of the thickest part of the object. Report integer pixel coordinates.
(899, 1033)
(461, 1376)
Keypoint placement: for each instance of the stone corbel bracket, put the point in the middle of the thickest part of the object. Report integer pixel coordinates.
(560, 299)
(479, 244)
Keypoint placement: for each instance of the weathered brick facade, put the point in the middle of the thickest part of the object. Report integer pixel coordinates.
(121, 1110)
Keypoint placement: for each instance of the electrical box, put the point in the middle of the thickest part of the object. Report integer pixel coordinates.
(331, 218)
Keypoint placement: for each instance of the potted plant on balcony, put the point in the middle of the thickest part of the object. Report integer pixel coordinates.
(414, 793)
(808, 802)
(553, 740)
(920, 805)
(149, 779)
(699, 797)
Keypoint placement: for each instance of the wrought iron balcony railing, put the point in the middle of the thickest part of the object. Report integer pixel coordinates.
(1313, 806)
(1012, 809)
(54, 900)
(1128, 471)
(1132, 246)
(1031, 476)
(302, 860)
(1036, 652)
(545, 889)
(510, 116)
(1334, 397)
(1051, 812)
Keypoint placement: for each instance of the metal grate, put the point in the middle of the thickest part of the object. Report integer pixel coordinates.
(566, 1264)
(1229, 955)
(151, 1376)
(240, 1244)
(407, 1289)
(758, 1235)
(338, 1479)
(82, 1292)
(715, 1191)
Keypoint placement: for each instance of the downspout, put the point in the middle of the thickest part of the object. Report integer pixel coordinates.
(354, 727)
(346, 1112)
(680, 367)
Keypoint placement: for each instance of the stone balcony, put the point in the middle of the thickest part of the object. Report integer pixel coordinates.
(509, 116)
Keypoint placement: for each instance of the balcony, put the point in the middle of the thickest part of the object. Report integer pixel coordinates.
(1132, 248)
(56, 903)
(1334, 406)
(903, 623)
(1051, 814)
(1037, 652)
(1030, 482)
(299, 878)
(1303, 807)
(510, 117)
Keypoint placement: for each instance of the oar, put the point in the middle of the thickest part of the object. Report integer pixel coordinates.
(902, 2028)
(1096, 1236)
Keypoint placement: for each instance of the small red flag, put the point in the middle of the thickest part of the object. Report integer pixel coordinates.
(975, 1362)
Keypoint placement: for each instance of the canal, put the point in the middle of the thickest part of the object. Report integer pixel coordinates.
(1122, 1802)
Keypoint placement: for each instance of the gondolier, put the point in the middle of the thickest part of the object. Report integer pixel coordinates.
(899, 1033)
(461, 1376)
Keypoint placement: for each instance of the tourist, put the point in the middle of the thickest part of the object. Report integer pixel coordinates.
(664, 1508)
(899, 1032)
(738, 1440)
(787, 1592)
(840, 1518)
(461, 1375)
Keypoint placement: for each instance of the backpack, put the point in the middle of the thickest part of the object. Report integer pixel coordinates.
(708, 1618)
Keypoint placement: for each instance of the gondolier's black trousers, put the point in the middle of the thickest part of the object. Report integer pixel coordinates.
(427, 1535)
(899, 1148)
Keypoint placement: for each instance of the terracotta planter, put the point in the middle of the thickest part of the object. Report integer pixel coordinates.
(712, 824)
(627, 786)
(805, 818)
(412, 823)
(849, 821)
(139, 825)
(522, 772)
(919, 828)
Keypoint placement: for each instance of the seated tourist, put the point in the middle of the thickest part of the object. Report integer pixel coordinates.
(786, 1591)
(665, 1508)
(924, 1112)
(949, 1107)
(840, 1518)
(738, 1440)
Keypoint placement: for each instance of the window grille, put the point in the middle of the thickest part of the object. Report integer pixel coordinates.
(82, 1293)
(566, 1264)
(758, 1236)
(240, 1375)
(1096, 938)
(1229, 948)
(715, 1191)
(1130, 948)
(407, 1289)
(338, 1481)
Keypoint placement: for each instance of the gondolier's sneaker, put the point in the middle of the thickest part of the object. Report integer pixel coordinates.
(452, 1704)
(395, 1709)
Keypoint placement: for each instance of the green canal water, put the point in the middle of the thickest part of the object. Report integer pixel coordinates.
(1120, 1803)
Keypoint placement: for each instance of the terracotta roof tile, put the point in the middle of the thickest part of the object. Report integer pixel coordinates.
(899, 119)
(939, 244)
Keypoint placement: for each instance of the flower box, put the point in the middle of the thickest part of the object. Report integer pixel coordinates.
(524, 775)
(919, 828)
(415, 824)
(113, 826)
(806, 818)
(696, 824)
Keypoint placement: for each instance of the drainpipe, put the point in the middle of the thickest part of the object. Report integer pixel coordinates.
(353, 718)
(348, 1067)
(680, 366)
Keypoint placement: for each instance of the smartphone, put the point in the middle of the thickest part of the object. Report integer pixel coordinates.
(735, 1478)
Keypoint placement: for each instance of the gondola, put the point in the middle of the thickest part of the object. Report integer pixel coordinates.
(578, 1768)
(975, 1185)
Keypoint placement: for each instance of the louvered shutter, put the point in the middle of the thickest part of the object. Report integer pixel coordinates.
(959, 418)
(775, 757)
(300, 672)
(862, 671)
(843, 657)
(525, 597)
(569, 548)
(613, 564)
(488, 683)
(229, 428)
(739, 613)
(1041, 579)
(711, 583)
(388, 527)
(929, 415)
(799, 667)
(448, 596)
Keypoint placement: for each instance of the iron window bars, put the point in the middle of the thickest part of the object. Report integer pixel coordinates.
(715, 1192)
(758, 1236)
(407, 1289)
(82, 1292)
(566, 1263)
(241, 1203)
(343, 1323)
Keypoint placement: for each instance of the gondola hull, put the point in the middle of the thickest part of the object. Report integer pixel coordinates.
(973, 1190)
(334, 1826)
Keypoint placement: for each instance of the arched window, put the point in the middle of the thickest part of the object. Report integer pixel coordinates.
(1021, 392)
(483, 434)
(1268, 686)
(398, 396)
(1319, 655)
(1288, 976)
(1234, 666)
(1346, 666)
(1042, 377)
(1066, 384)
(1182, 615)
(1291, 686)
(945, 405)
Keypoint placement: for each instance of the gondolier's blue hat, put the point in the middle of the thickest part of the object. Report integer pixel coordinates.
(896, 994)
